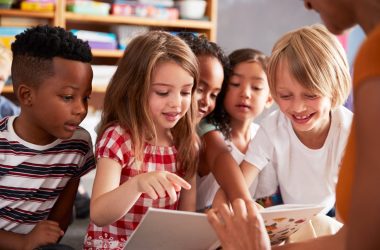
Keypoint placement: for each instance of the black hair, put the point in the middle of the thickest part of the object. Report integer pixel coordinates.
(200, 45)
(34, 50)
(219, 116)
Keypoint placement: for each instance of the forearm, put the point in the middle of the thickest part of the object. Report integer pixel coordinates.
(219, 198)
(9, 240)
(109, 207)
(62, 209)
(188, 199)
(230, 178)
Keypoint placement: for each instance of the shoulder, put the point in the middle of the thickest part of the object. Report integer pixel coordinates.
(4, 124)
(115, 137)
(273, 121)
(342, 117)
(367, 62)
(81, 133)
(8, 108)
(204, 127)
(253, 129)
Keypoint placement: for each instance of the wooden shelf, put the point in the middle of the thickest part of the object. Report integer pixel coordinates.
(21, 13)
(8, 89)
(60, 17)
(107, 53)
(99, 89)
(180, 23)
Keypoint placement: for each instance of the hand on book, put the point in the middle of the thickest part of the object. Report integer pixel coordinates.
(239, 228)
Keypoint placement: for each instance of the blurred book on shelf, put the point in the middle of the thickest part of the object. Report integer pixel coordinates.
(97, 40)
(7, 35)
(88, 7)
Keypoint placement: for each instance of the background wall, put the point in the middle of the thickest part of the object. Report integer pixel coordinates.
(259, 23)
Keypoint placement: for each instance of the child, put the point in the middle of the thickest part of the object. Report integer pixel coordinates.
(7, 108)
(43, 151)
(147, 138)
(243, 98)
(304, 141)
(212, 62)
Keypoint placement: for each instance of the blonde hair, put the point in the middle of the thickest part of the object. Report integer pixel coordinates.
(126, 98)
(316, 60)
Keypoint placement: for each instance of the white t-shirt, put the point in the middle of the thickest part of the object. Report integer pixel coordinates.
(207, 186)
(305, 176)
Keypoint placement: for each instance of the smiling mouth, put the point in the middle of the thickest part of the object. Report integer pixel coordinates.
(172, 116)
(302, 118)
(202, 112)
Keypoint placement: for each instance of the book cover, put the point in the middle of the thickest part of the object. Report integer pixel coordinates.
(170, 229)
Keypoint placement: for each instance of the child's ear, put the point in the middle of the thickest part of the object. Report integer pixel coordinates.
(24, 93)
(269, 101)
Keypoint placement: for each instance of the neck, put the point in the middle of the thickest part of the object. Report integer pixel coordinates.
(240, 134)
(25, 129)
(240, 128)
(368, 14)
(315, 138)
(163, 138)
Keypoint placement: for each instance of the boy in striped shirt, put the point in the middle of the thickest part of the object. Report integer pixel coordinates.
(43, 151)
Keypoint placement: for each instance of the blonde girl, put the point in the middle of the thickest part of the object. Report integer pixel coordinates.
(147, 141)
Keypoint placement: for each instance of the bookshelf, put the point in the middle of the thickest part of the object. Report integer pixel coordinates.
(60, 17)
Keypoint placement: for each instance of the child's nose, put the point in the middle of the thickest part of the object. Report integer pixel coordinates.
(176, 100)
(298, 105)
(80, 108)
(245, 91)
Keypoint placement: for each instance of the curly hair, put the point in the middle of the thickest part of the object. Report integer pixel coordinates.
(219, 117)
(34, 50)
(200, 45)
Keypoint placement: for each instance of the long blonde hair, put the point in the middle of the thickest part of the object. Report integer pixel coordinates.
(316, 60)
(126, 98)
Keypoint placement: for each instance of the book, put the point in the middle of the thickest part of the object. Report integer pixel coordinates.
(162, 229)
(281, 221)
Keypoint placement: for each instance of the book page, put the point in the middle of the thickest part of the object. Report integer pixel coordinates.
(283, 220)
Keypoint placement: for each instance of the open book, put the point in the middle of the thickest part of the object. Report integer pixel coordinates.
(170, 229)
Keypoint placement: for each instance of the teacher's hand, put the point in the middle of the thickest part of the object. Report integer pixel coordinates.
(241, 228)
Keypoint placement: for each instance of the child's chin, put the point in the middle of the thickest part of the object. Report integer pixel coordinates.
(66, 135)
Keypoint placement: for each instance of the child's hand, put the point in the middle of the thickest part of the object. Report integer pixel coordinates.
(45, 232)
(156, 183)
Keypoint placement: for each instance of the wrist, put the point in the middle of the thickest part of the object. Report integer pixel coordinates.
(26, 242)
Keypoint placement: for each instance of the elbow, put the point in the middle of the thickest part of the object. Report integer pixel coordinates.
(97, 220)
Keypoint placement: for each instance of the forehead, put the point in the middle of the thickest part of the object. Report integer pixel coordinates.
(66, 71)
(170, 72)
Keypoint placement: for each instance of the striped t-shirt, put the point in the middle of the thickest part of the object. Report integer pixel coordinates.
(33, 176)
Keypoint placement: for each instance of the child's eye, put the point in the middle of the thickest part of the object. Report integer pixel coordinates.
(285, 97)
(162, 93)
(234, 84)
(311, 96)
(86, 98)
(199, 90)
(256, 88)
(214, 96)
(67, 98)
(185, 93)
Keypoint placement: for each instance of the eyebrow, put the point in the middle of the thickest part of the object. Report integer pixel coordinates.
(254, 77)
(206, 83)
(170, 85)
